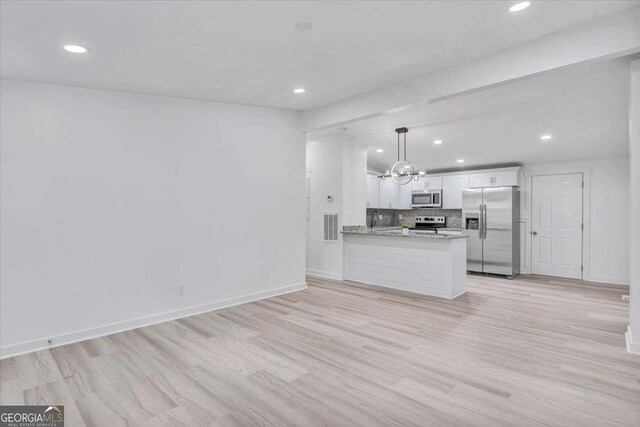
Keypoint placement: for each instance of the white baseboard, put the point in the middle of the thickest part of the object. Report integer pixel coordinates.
(605, 279)
(42, 344)
(596, 279)
(324, 274)
(632, 347)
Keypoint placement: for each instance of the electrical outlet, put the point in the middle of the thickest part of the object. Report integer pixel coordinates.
(399, 216)
(181, 289)
(380, 217)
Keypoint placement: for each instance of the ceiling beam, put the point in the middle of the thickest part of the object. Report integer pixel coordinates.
(612, 37)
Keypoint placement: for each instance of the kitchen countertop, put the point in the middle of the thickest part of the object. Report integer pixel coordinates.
(396, 232)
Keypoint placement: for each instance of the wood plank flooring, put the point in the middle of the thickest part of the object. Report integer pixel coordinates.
(527, 352)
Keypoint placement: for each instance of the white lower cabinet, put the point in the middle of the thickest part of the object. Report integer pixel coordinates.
(452, 186)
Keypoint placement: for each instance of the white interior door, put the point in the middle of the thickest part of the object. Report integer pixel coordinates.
(556, 225)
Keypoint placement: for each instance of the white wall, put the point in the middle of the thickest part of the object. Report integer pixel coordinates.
(354, 182)
(606, 212)
(336, 166)
(111, 200)
(633, 334)
(324, 170)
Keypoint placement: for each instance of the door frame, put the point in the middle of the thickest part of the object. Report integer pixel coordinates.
(526, 201)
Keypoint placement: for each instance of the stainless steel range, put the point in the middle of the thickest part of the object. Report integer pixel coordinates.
(429, 224)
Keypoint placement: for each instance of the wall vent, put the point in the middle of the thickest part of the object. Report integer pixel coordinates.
(331, 227)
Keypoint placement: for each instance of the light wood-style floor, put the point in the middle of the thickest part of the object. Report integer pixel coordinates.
(508, 353)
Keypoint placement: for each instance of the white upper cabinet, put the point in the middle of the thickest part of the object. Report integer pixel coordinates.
(388, 194)
(479, 180)
(417, 185)
(452, 186)
(373, 191)
(497, 178)
(507, 178)
(433, 183)
(404, 196)
(427, 183)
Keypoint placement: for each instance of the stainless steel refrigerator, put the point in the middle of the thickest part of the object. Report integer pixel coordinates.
(490, 219)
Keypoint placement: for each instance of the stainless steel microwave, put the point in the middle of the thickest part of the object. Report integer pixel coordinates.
(426, 199)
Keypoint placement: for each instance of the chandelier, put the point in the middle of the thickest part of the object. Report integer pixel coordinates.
(402, 171)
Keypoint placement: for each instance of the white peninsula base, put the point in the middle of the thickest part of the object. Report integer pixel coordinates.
(435, 266)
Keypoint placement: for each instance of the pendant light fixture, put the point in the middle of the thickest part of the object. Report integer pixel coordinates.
(402, 171)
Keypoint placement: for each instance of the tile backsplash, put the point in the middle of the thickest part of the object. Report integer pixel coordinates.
(392, 216)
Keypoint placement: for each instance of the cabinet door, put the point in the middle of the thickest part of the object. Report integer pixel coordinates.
(404, 196)
(433, 183)
(388, 194)
(418, 185)
(373, 191)
(480, 180)
(452, 187)
(505, 179)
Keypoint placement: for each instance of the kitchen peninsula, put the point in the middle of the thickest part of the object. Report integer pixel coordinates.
(424, 263)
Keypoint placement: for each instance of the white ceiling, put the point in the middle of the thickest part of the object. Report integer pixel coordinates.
(250, 53)
(584, 108)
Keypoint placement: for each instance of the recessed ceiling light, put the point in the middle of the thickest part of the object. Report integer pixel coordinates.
(460, 160)
(379, 150)
(74, 48)
(519, 6)
(545, 137)
(437, 141)
(299, 90)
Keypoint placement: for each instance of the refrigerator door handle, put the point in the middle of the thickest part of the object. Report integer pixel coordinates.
(480, 222)
(484, 221)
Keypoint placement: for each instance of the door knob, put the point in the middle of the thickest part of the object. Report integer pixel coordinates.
(534, 233)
